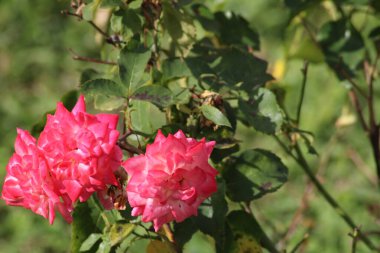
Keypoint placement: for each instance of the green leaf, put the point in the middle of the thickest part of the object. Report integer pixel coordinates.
(341, 35)
(111, 3)
(238, 67)
(104, 87)
(91, 240)
(262, 112)
(231, 29)
(132, 64)
(172, 21)
(127, 22)
(215, 115)
(158, 95)
(104, 247)
(89, 74)
(89, 10)
(119, 232)
(253, 174)
(82, 227)
(246, 232)
(145, 117)
(174, 69)
(105, 103)
(179, 26)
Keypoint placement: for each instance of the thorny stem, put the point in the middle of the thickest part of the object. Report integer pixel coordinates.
(264, 240)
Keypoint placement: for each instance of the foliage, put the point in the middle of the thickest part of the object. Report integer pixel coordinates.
(203, 68)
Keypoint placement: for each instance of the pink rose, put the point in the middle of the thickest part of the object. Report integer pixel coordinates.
(171, 180)
(81, 151)
(28, 182)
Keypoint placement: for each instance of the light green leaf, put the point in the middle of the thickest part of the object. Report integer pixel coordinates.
(104, 87)
(90, 241)
(119, 232)
(145, 117)
(105, 103)
(132, 64)
(215, 115)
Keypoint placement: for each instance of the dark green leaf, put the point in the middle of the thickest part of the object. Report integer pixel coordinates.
(246, 232)
(158, 95)
(174, 69)
(104, 87)
(83, 225)
(235, 67)
(111, 3)
(262, 112)
(172, 21)
(91, 240)
(132, 64)
(253, 174)
(215, 115)
(339, 36)
(89, 74)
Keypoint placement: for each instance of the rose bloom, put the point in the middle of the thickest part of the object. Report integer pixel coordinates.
(81, 151)
(28, 182)
(171, 180)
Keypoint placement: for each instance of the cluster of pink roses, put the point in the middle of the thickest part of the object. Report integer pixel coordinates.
(77, 155)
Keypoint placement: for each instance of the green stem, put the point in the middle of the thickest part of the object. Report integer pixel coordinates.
(302, 95)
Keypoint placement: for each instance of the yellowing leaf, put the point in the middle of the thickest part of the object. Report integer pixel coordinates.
(160, 247)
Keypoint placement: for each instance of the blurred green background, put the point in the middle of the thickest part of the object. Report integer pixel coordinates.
(36, 69)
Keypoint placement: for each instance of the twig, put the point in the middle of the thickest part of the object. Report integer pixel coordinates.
(87, 59)
(354, 236)
(355, 102)
(361, 165)
(304, 239)
(299, 107)
(374, 131)
(66, 12)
